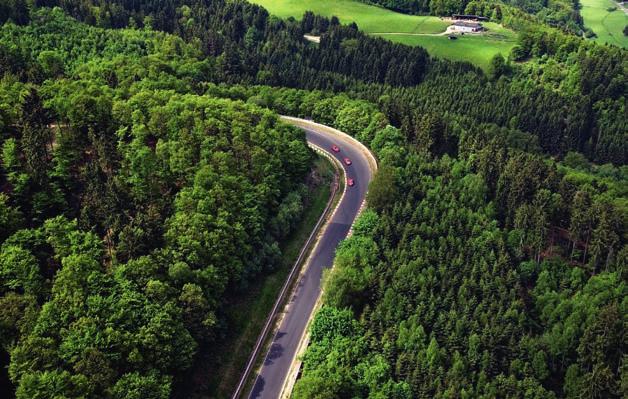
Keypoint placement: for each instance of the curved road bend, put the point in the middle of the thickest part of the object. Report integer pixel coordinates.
(270, 379)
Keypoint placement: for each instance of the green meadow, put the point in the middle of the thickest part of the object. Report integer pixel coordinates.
(412, 30)
(607, 25)
(369, 18)
(473, 48)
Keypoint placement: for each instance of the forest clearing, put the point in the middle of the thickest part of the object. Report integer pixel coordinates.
(412, 30)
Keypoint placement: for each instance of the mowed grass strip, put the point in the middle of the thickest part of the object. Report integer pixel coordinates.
(402, 28)
(369, 18)
(607, 25)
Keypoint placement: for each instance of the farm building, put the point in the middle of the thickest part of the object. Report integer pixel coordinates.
(466, 26)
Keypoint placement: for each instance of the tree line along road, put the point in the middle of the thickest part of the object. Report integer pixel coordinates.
(270, 379)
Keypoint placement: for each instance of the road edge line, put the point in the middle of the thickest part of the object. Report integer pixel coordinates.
(295, 363)
(300, 122)
(295, 366)
(270, 321)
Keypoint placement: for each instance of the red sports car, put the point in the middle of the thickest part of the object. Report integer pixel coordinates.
(347, 161)
(335, 148)
(350, 182)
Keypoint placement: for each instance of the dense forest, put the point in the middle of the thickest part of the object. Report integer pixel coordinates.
(570, 95)
(482, 269)
(145, 177)
(129, 207)
(496, 273)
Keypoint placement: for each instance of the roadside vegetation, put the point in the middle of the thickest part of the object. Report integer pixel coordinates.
(247, 312)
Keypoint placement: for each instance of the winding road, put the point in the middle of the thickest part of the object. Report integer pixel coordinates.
(270, 378)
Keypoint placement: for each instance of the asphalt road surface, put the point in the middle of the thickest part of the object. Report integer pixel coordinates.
(270, 379)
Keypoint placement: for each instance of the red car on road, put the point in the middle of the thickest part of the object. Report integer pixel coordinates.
(335, 148)
(347, 161)
(350, 182)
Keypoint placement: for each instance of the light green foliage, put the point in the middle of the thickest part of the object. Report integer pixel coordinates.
(382, 189)
(359, 119)
(389, 145)
(331, 322)
(366, 223)
(497, 66)
(12, 96)
(137, 386)
(289, 211)
(71, 328)
(19, 270)
(10, 162)
(65, 240)
(51, 63)
(352, 274)
(53, 384)
(10, 155)
(336, 345)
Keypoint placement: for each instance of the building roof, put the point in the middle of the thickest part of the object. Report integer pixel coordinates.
(468, 24)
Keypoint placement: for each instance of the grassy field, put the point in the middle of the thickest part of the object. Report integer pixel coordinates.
(407, 29)
(608, 26)
(473, 48)
(248, 314)
(369, 18)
